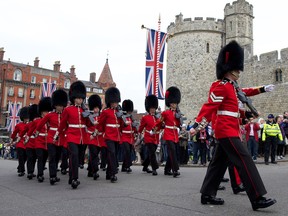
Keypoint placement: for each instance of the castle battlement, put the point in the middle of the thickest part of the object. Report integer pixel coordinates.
(198, 24)
(239, 6)
(270, 57)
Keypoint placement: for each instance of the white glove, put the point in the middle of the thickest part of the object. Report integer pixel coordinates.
(269, 88)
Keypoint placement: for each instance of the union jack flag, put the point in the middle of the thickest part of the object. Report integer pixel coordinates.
(47, 89)
(154, 63)
(13, 119)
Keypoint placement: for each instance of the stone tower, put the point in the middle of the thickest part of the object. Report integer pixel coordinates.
(192, 51)
(238, 21)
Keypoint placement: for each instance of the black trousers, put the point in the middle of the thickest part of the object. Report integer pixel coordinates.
(172, 162)
(231, 149)
(42, 156)
(93, 158)
(21, 154)
(127, 150)
(73, 150)
(54, 153)
(64, 158)
(103, 157)
(270, 143)
(31, 160)
(111, 157)
(150, 156)
(82, 151)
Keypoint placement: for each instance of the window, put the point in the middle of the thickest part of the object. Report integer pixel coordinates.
(17, 75)
(278, 75)
(231, 25)
(67, 84)
(207, 48)
(33, 79)
(95, 90)
(44, 80)
(20, 92)
(32, 93)
(11, 91)
(88, 89)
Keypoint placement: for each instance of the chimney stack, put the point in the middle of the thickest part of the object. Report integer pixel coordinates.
(93, 77)
(36, 62)
(57, 66)
(1, 54)
(72, 70)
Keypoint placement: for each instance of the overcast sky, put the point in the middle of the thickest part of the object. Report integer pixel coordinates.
(82, 33)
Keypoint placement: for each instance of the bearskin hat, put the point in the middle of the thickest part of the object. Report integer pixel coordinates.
(33, 112)
(77, 90)
(172, 95)
(112, 95)
(24, 113)
(59, 98)
(127, 105)
(94, 101)
(151, 101)
(231, 57)
(45, 105)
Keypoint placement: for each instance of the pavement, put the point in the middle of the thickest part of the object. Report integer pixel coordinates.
(134, 194)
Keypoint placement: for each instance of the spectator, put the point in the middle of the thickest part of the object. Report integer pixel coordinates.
(280, 144)
(285, 127)
(261, 149)
(183, 145)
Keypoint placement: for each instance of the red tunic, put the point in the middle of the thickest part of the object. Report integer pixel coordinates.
(23, 134)
(16, 133)
(52, 120)
(147, 124)
(172, 124)
(98, 140)
(41, 139)
(110, 124)
(128, 132)
(74, 125)
(223, 108)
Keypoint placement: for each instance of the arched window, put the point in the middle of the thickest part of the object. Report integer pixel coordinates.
(17, 75)
(278, 75)
(207, 48)
(67, 84)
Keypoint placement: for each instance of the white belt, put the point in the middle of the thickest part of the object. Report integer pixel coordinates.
(77, 126)
(54, 129)
(228, 113)
(32, 136)
(157, 132)
(113, 125)
(42, 134)
(171, 127)
(127, 132)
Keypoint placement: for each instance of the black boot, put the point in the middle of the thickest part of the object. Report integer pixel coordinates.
(20, 174)
(40, 178)
(154, 172)
(146, 169)
(75, 183)
(168, 173)
(176, 173)
(53, 181)
(221, 187)
(95, 176)
(30, 176)
(63, 171)
(128, 170)
(208, 199)
(113, 178)
(238, 189)
(262, 202)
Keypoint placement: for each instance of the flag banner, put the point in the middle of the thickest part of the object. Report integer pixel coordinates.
(13, 119)
(154, 63)
(47, 89)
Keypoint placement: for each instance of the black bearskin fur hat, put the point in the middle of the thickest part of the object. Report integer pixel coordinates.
(151, 101)
(45, 104)
(127, 105)
(231, 57)
(24, 113)
(112, 95)
(59, 98)
(94, 101)
(77, 90)
(33, 112)
(172, 95)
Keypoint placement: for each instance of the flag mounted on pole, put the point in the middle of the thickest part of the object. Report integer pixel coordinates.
(154, 62)
(14, 118)
(47, 89)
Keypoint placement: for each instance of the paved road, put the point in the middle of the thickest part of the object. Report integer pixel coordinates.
(134, 194)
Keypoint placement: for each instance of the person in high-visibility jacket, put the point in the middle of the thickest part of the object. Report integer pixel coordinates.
(270, 133)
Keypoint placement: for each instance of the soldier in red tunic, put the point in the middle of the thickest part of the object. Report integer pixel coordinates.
(223, 106)
(96, 137)
(73, 125)
(15, 136)
(109, 123)
(171, 120)
(127, 135)
(44, 106)
(151, 135)
(52, 120)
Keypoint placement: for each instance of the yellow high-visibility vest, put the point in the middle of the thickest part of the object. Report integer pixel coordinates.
(271, 130)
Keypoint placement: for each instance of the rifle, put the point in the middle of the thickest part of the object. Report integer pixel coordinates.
(88, 114)
(244, 99)
(179, 115)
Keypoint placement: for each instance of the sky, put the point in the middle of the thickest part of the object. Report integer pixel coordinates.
(84, 33)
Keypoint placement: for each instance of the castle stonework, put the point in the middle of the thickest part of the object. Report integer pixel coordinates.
(192, 52)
